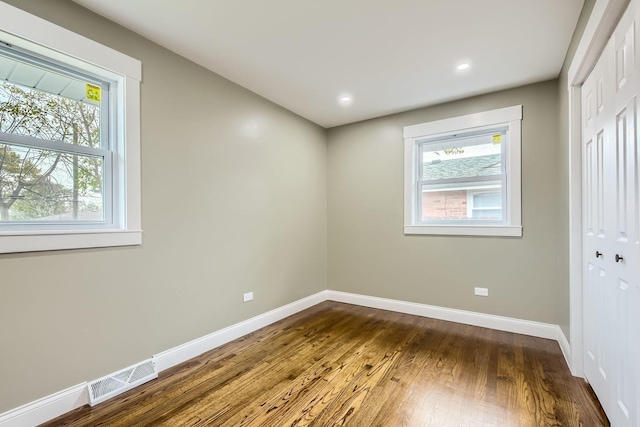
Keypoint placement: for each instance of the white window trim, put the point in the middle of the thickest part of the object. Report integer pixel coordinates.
(31, 33)
(513, 222)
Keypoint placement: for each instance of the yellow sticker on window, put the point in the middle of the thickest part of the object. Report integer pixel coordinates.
(93, 92)
(497, 139)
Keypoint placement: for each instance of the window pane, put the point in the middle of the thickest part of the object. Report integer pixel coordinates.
(42, 103)
(464, 201)
(42, 185)
(462, 174)
(459, 159)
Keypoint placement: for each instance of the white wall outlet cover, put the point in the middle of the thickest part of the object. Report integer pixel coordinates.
(483, 292)
(247, 297)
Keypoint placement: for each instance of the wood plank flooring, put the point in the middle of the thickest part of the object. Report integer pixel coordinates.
(338, 364)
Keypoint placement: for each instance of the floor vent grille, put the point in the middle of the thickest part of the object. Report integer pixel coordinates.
(111, 385)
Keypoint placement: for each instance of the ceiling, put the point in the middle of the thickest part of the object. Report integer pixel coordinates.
(388, 55)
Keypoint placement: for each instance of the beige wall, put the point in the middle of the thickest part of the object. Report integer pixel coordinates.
(563, 171)
(369, 254)
(234, 200)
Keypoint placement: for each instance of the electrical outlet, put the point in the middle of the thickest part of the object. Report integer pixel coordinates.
(247, 297)
(482, 292)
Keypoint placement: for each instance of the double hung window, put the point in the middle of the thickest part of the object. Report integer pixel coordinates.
(462, 175)
(69, 139)
(55, 156)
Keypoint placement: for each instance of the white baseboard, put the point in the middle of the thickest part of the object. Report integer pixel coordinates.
(57, 404)
(47, 408)
(50, 407)
(518, 326)
(565, 347)
(184, 352)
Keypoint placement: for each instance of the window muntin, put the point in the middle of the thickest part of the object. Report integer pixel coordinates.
(451, 167)
(477, 189)
(55, 162)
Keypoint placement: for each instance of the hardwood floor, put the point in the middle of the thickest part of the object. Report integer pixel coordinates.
(339, 364)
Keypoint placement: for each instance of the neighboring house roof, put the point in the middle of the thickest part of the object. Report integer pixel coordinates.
(466, 167)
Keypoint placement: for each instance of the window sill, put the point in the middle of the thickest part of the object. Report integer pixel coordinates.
(465, 230)
(43, 241)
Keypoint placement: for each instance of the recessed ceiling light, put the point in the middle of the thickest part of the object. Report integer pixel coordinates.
(463, 66)
(345, 99)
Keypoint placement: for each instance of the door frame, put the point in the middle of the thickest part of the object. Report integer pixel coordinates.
(603, 20)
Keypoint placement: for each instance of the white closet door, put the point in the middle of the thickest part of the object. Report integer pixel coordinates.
(612, 226)
(625, 264)
(597, 94)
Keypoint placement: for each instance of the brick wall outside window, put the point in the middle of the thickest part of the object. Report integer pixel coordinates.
(444, 205)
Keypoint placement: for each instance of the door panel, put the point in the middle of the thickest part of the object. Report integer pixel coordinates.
(589, 203)
(600, 193)
(621, 176)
